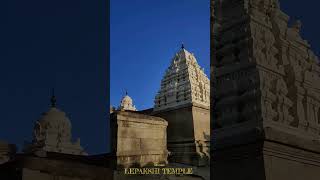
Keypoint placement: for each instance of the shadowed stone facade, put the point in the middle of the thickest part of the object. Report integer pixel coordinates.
(52, 154)
(52, 133)
(266, 94)
(188, 133)
(6, 151)
(56, 166)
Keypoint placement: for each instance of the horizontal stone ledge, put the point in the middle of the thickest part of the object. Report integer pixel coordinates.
(140, 153)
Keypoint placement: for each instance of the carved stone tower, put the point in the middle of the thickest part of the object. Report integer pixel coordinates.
(266, 94)
(183, 100)
(184, 82)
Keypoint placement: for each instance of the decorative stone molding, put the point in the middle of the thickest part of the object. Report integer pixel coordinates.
(263, 70)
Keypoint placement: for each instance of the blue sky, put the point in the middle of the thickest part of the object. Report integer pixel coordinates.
(144, 37)
(307, 12)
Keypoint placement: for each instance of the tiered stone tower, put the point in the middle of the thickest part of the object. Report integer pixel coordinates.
(184, 101)
(266, 94)
(184, 82)
(52, 133)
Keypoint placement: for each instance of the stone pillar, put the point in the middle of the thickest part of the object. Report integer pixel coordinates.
(265, 94)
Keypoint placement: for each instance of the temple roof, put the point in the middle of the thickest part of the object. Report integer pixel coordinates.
(127, 103)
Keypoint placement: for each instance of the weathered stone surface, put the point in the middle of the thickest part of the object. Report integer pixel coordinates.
(138, 140)
(266, 91)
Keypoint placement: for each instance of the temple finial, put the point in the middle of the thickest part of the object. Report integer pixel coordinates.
(53, 99)
(126, 92)
(182, 46)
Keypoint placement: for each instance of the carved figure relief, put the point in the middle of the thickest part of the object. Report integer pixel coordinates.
(288, 70)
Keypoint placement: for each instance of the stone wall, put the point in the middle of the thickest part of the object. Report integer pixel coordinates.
(138, 140)
(188, 133)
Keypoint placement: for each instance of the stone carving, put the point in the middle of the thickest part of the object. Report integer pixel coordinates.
(261, 42)
(268, 119)
(184, 82)
(283, 103)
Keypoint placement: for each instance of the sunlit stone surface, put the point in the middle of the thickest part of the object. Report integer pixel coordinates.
(183, 100)
(184, 82)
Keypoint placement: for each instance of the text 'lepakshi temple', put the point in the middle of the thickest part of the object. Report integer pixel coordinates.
(266, 94)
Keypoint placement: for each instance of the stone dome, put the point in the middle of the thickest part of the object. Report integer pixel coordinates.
(127, 103)
(55, 116)
(52, 133)
(53, 120)
(127, 100)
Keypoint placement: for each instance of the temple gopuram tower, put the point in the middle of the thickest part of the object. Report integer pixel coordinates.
(265, 96)
(184, 101)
